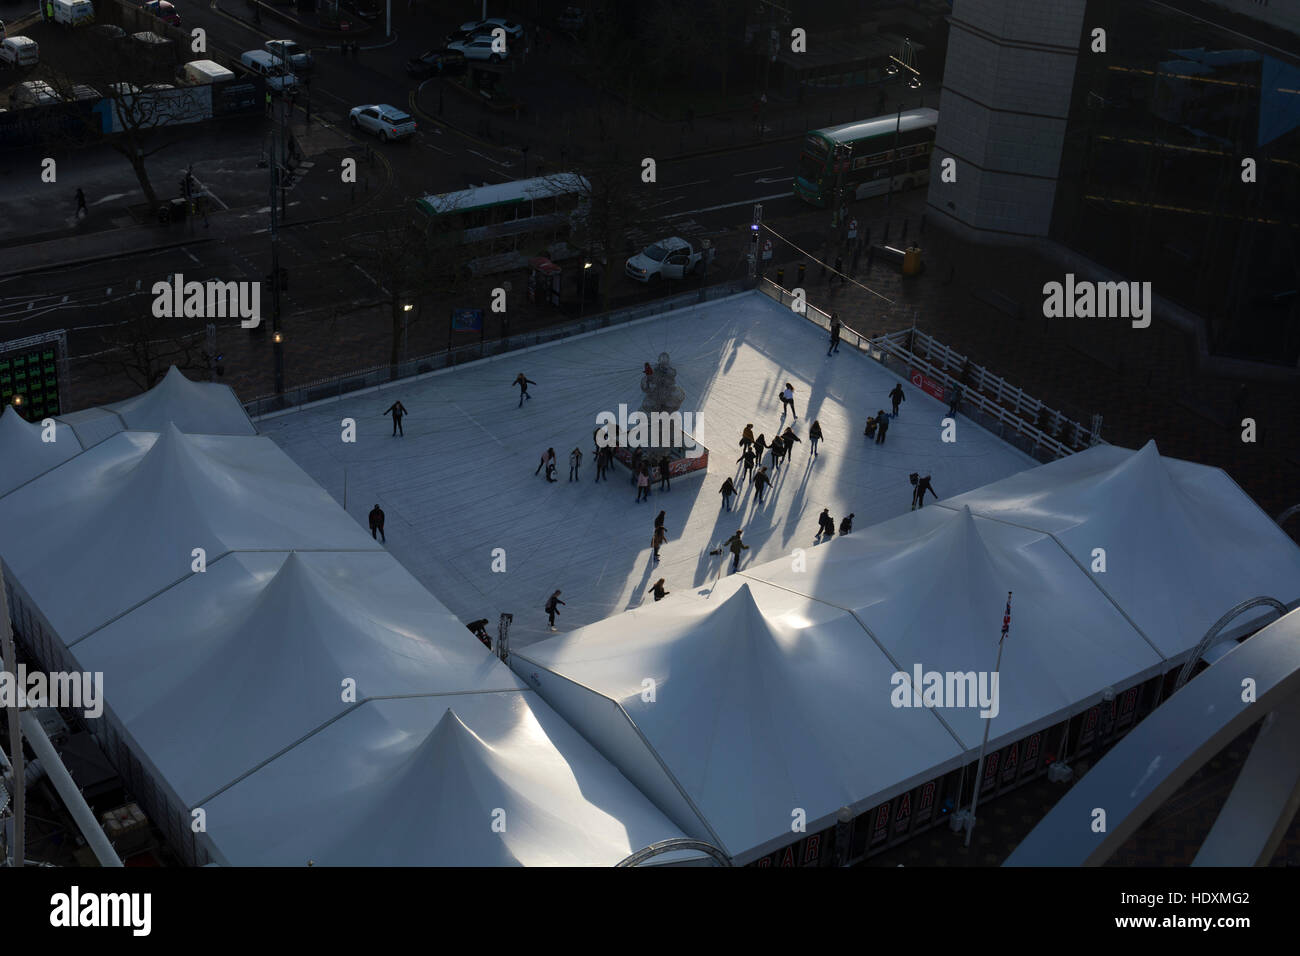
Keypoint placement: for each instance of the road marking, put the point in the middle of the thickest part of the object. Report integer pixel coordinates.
(697, 182)
(732, 205)
(445, 152)
(191, 255)
(664, 202)
(489, 159)
(753, 171)
(779, 179)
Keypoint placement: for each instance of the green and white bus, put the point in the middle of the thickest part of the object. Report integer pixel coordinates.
(897, 144)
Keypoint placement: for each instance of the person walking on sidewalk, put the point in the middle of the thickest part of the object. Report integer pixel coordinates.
(397, 410)
(748, 459)
(81, 204)
(659, 538)
(642, 484)
(897, 396)
(575, 459)
(835, 333)
(788, 440)
(815, 435)
(761, 481)
(735, 546)
(787, 401)
(377, 523)
(954, 400)
(846, 525)
(523, 382)
(665, 473)
(552, 608)
(922, 486)
(547, 462)
(882, 426)
(657, 589)
(727, 490)
(747, 437)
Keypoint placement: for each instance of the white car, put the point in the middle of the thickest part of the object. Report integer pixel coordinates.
(479, 48)
(386, 122)
(515, 31)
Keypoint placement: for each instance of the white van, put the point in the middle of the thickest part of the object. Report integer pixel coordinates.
(33, 93)
(205, 71)
(261, 62)
(20, 52)
(74, 13)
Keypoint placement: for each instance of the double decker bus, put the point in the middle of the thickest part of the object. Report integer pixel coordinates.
(896, 145)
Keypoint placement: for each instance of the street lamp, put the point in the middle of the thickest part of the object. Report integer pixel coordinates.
(406, 314)
(897, 65)
(582, 295)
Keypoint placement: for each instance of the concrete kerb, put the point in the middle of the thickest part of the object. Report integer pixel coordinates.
(499, 357)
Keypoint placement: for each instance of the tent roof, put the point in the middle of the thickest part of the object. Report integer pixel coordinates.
(194, 407)
(24, 455)
(417, 781)
(92, 425)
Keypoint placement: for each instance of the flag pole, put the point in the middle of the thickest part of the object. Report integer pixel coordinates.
(979, 770)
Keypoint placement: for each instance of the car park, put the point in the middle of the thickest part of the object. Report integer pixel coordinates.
(386, 122)
(441, 62)
(479, 48)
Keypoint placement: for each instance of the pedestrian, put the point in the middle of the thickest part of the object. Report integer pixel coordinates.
(835, 333)
(747, 437)
(637, 455)
(760, 446)
(815, 435)
(846, 525)
(642, 484)
(777, 451)
(397, 410)
(787, 400)
(735, 545)
(479, 629)
(575, 459)
(377, 523)
(268, 102)
(955, 401)
(922, 486)
(548, 456)
(552, 608)
(748, 459)
(761, 481)
(727, 490)
(659, 538)
(665, 472)
(882, 426)
(897, 396)
(523, 384)
(657, 589)
(788, 440)
(81, 204)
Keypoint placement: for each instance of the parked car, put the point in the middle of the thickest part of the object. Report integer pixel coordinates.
(436, 63)
(480, 48)
(669, 258)
(19, 52)
(33, 93)
(286, 51)
(514, 31)
(386, 122)
(457, 36)
(164, 11)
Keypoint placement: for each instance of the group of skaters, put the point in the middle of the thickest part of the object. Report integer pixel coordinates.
(826, 525)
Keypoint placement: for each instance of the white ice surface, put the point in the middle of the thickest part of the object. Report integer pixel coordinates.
(461, 483)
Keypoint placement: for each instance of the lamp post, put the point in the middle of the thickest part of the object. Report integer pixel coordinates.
(582, 293)
(901, 66)
(406, 315)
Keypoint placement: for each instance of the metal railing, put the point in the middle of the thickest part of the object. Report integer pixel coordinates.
(375, 376)
(987, 399)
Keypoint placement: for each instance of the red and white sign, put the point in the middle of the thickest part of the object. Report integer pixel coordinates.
(926, 384)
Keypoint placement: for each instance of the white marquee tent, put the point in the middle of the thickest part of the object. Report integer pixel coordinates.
(197, 408)
(24, 454)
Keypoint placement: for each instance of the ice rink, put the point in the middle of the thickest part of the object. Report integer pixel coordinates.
(461, 482)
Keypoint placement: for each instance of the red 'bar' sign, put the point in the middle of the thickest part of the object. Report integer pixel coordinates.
(927, 385)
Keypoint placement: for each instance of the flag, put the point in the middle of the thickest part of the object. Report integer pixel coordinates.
(1006, 617)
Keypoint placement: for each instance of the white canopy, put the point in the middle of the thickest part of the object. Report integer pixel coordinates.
(198, 408)
(23, 453)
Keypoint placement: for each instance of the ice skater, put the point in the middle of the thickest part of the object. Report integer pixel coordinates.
(377, 523)
(523, 382)
(870, 429)
(550, 469)
(787, 401)
(602, 462)
(882, 426)
(397, 410)
(815, 435)
(575, 460)
(665, 472)
(552, 608)
(748, 459)
(760, 446)
(922, 486)
(660, 537)
(642, 484)
(955, 400)
(788, 440)
(835, 333)
(825, 525)
(897, 396)
(846, 525)
(547, 462)
(761, 481)
(657, 589)
(777, 451)
(747, 437)
(735, 545)
(659, 520)
(727, 490)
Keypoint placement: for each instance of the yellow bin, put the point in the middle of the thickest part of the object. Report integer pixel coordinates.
(912, 260)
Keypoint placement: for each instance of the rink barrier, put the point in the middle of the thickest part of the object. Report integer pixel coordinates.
(994, 404)
(378, 376)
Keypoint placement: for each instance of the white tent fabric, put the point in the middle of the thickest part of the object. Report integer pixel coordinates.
(197, 408)
(23, 453)
(120, 522)
(763, 701)
(261, 661)
(421, 782)
(92, 425)
(1168, 528)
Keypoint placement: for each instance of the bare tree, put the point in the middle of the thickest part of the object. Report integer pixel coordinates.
(143, 347)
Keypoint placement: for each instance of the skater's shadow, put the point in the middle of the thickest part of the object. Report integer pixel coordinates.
(639, 595)
(797, 504)
(707, 567)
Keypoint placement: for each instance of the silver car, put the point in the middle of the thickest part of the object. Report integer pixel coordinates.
(386, 122)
